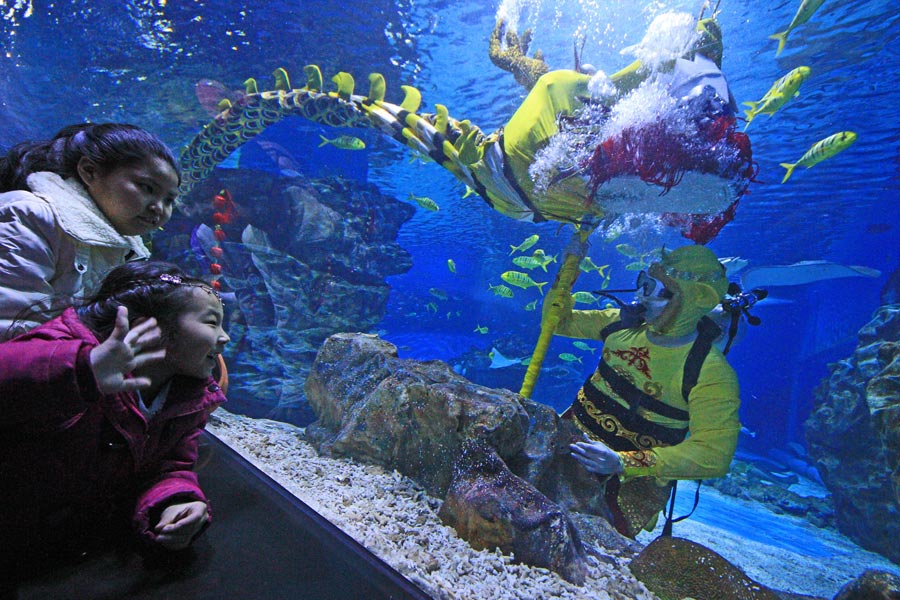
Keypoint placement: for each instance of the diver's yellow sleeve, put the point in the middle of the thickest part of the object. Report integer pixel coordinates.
(714, 427)
(586, 324)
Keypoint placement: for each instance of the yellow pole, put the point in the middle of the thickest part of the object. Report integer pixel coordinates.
(565, 279)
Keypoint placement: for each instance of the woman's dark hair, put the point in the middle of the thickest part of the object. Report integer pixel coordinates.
(147, 289)
(107, 145)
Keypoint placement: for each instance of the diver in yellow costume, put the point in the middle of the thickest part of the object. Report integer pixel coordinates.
(663, 402)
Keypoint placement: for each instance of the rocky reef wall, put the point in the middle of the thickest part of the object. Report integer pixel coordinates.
(853, 434)
(301, 259)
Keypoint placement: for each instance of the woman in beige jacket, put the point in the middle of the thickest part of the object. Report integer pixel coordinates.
(71, 209)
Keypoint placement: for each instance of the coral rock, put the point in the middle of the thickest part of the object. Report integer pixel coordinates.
(492, 508)
(871, 585)
(853, 434)
(674, 568)
(403, 414)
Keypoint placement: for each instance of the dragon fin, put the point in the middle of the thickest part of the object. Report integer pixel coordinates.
(345, 84)
(412, 100)
(282, 81)
(250, 87)
(313, 78)
(469, 150)
(440, 121)
(376, 87)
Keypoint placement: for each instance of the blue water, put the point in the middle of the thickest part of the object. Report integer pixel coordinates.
(757, 525)
(138, 61)
(844, 210)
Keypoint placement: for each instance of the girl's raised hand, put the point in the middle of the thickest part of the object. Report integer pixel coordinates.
(125, 350)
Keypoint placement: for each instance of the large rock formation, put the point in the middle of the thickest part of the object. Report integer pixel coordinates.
(871, 585)
(501, 460)
(415, 416)
(854, 435)
(491, 508)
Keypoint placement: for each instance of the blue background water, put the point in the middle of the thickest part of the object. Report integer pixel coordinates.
(138, 62)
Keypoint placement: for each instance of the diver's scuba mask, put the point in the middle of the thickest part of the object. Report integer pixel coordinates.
(646, 286)
(651, 287)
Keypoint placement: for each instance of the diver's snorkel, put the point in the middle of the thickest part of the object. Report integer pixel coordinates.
(635, 309)
(738, 302)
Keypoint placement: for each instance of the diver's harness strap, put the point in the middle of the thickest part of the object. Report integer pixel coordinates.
(635, 397)
(707, 333)
(670, 512)
(628, 318)
(617, 426)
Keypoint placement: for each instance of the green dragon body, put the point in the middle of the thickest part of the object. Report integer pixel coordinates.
(494, 165)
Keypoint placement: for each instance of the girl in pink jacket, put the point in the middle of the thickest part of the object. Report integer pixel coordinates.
(101, 410)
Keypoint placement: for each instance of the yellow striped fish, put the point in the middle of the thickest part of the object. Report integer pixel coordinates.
(528, 262)
(522, 280)
(527, 243)
(585, 298)
(778, 95)
(424, 201)
(821, 150)
(501, 290)
(806, 10)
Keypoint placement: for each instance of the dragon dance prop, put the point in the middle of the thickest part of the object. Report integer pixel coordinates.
(496, 165)
(452, 144)
(565, 279)
(623, 175)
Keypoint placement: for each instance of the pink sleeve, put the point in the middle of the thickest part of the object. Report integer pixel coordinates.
(176, 482)
(45, 383)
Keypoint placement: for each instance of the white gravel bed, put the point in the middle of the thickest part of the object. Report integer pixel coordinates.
(396, 520)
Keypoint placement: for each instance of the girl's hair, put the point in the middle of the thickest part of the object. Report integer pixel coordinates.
(147, 289)
(107, 145)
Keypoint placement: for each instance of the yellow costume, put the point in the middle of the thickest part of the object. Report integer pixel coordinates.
(556, 94)
(636, 402)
